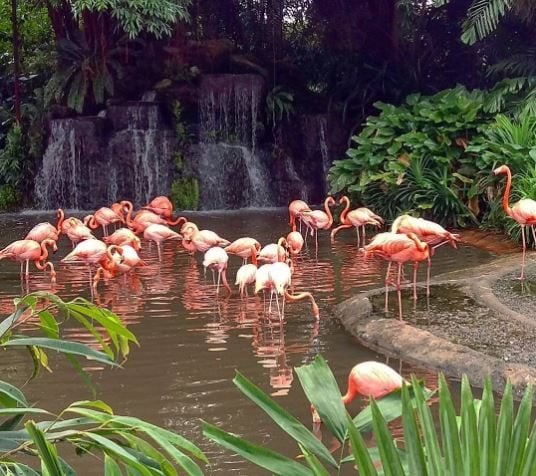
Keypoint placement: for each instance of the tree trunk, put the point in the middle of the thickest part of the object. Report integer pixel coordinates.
(15, 41)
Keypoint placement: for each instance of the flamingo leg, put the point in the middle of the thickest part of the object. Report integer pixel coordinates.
(21, 269)
(27, 268)
(533, 236)
(524, 252)
(218, 284)
(415, 266)
(387, 286)
(358, 239)
(270, 305)
(428, 276)
(159, 251)
(364, 236)
(398, 291)
(278, 308)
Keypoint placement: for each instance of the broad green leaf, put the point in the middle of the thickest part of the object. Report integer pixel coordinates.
(412, 439)
(486, 430)
(449, 428)
(111, 468)
(47, 452)
(314, 463)
(469, 430)
(391, 464)
(328, 402)
(49, 325)
(13, 393)
(504, 432)
(260, 455)
(63, 346)
(360, 451)
(520, 431)
(285, 420)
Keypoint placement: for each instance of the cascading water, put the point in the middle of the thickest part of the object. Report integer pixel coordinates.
(324, 150)
(90, 162)
(232, 172)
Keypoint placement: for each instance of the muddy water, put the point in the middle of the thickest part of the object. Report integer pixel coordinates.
(192, 342)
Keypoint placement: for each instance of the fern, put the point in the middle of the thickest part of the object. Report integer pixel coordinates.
(483, 18)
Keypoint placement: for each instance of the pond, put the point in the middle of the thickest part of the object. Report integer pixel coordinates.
(192, 342)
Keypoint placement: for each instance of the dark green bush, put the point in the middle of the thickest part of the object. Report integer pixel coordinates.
(413, 157)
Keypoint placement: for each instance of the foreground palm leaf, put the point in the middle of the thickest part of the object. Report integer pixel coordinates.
(124, 444)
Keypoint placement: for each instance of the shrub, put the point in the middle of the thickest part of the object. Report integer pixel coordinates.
(413, 157)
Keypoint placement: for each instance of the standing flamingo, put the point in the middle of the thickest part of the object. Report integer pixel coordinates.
(429, 232)
(244, 247)
(360, 217)
(524, 211)
(294, 242)
(159, 234)
(398, 248)
(103, 217)
(146, 217)
(216, 259)
(246, 273)
(294, 209)
(43, 231)
(370, 380)
(76, 231)
(318, 219)
(273, 252)
(30, 250)
(203, 240)
(162, 206)
(123, 236)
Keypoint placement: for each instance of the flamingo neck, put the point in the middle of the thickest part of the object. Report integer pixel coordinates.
(92, 223)
(328, 213)
(346, 208)
(254, 255)
(506, 196)
(281, 243)
(128, 218)
(304, 295)
(224, 280)
(44, 251)
(178, 221)
(351, 393)
(61, 219)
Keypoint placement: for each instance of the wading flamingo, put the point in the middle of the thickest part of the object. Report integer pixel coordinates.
(76, 231)
(25, 251)
(203, 240)
(118, 263)
(264, 283)
(246, 273)
(294, 209)
(161, 206)
(43, 231)
(160, 233)
(524, 211)
(318, 219)
(429, 232)
(144, 218)
(216, 259)
(294, 242)
(358, 218)
(103, 217)
(273, 252)
(243, 247)
(398, 248)
(123, 236)
(369, 379)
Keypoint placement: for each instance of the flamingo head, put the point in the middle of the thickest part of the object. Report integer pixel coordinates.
(503, 169)
(189, 229)
(331, 201)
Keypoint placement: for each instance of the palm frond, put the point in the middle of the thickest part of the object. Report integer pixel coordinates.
(483, 18)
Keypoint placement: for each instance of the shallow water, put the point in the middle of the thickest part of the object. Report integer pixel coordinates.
(192, 341)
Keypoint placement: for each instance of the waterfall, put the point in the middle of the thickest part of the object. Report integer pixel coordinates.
(125, 153)
(233, 173)
(324, 150)
(59, 177)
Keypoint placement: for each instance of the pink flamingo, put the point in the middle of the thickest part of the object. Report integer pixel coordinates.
(429, 232)
(161, 206)
(216, 259)
(370, 380)
(358, 218)
(398, 248)
(144, 218)
(263, 282)
(203, 240)
(294, 209)
(273, 252)
(76, 231)
(91, 252)
(30, 250)
(524, 211)
(123, 236)
(43, 231)
(294, 242)
(318, 219)
(160, 233)
(244, 247)
(246, 273)
(104, 217)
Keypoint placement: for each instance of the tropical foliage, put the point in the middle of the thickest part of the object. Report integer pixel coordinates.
(412, 158)
(90, 427)
(473, 440)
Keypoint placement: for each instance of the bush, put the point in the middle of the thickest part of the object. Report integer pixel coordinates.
(184, 194)
(413, 157)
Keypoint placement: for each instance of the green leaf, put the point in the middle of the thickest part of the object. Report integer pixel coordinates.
(412, 440)
(314, 463)
(13, 393)
(261, 456)
(449, 428)
(285, 420)
(62, 346)
(47, 452)
(49, 324)
(504, 432)
(469, 430)
(360, 451)
(486, 430)
(520, 431)
(328, 402)
(111, 468)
